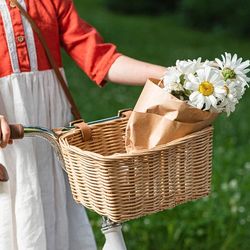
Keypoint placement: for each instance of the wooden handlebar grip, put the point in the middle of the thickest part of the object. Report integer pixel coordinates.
(16, 131)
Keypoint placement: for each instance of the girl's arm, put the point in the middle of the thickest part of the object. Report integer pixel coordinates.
(97, 59)
(126, 70)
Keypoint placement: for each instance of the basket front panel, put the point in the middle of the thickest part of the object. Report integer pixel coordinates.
(124, 188)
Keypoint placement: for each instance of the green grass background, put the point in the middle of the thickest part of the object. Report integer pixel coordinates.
(221, 221)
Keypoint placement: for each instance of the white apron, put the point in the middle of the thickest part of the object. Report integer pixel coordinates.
(37, 211)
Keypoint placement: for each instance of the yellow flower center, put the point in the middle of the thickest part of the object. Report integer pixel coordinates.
(206, 88)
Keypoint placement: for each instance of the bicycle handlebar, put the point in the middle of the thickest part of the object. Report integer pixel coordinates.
(18, 131)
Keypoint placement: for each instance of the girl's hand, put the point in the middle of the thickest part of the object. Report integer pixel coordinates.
(4, 132)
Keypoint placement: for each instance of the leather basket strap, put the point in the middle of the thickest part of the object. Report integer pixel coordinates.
(85, 130)
(74, 108)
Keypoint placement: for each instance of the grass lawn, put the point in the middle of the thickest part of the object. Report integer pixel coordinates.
(221, 221)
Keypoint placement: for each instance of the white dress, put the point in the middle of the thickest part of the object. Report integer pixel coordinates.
(37, 211)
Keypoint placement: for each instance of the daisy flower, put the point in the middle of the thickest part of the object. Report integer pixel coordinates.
(233, 68)
(207, 88)
(172, 80)
(188, 66)
(175, 77)
(191, 66)
(240, 90)
(216, 86)
(229, 102)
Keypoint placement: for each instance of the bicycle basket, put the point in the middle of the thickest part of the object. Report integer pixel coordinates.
(121, 186)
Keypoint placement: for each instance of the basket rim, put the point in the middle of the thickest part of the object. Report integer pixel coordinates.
(118, 156)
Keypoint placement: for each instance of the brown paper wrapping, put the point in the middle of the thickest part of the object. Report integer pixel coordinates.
(159, 117)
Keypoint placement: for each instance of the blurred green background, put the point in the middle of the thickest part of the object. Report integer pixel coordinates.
(161, 33)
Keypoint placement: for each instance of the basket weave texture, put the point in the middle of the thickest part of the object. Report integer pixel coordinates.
(121, 186)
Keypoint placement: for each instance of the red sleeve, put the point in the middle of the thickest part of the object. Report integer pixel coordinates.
(83, 43)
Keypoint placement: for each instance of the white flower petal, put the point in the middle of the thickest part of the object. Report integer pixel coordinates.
(214, 77)
(207, 103)
(223, 58)
(194, 96)
(245, 71)
(234, 59)
(243, 65)
(200, 101)
(219, 62)
(193, 79)
(213, 101)
(207, 73)
(239, 61)
(220, 90)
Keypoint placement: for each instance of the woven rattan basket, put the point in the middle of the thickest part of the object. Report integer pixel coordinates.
(121, 186)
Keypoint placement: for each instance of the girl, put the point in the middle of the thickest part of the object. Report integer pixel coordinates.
(37, 211)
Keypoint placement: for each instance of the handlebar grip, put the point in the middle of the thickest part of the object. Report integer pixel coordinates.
(16, 131)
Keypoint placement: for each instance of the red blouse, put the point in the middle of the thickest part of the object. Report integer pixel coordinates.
(61, 26)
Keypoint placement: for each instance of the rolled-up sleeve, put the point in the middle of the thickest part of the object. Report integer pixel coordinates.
(83, 43)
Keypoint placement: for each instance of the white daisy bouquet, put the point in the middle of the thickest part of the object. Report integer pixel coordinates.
(216, 86)
(186, 99)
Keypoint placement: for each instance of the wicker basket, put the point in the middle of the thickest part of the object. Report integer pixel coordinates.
(121, 186)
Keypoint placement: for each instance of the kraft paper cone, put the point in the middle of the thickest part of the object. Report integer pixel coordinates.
(159, 117)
